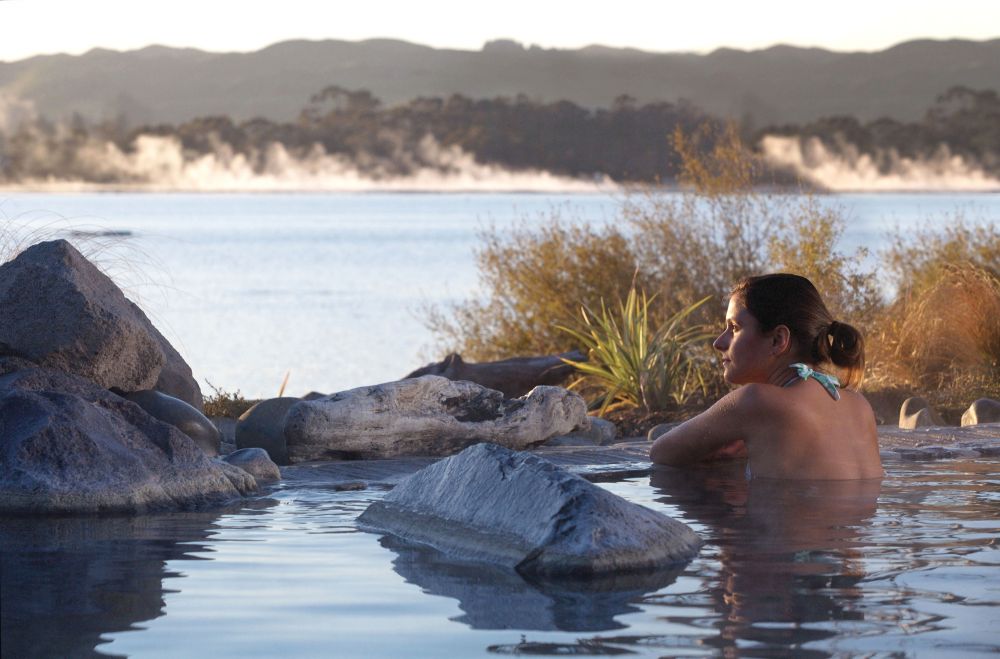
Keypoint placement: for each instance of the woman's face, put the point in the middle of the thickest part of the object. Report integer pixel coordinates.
(746, 351)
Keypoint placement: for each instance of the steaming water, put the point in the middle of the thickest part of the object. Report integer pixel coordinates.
(330, 286)
(853, 170)
(788, 569)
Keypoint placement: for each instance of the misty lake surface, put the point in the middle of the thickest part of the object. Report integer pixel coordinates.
(908, 568)
(332, 288)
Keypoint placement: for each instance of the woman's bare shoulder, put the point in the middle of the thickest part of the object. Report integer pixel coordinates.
(858, 402)
(757, 399)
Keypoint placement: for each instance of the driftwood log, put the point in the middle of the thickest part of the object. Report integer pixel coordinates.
(514, 377)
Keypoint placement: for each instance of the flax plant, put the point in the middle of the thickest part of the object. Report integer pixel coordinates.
(631, 364)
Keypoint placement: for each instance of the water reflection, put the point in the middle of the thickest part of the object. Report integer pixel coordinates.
(66, 581)
(789, 553)
(492, 597)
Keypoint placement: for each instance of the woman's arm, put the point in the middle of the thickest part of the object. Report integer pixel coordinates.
(730, 420)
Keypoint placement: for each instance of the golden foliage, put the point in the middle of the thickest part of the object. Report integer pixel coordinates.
(695, 244)
(944, 335)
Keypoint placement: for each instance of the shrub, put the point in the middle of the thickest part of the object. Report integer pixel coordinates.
(535, 279)
(943, 337)
(682, 247)
(940, 336)
(632, 364)
(917, 260)
(226, 404)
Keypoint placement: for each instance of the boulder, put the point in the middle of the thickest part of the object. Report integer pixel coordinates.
(181, 415)
(512, 377)
(984, 410)
(429, 415)
(61, 312)
(263, 426)
(70, 446)
(916, 412)
(489, 504)
(255, 462)
(599, 432)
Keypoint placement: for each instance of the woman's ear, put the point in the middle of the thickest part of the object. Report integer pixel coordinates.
(781, 340)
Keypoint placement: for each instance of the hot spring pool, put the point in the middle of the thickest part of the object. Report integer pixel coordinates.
(908, 569)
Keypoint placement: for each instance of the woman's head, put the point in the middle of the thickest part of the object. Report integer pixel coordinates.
(792, 302)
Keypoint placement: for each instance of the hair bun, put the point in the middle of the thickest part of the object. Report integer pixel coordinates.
(846, 344)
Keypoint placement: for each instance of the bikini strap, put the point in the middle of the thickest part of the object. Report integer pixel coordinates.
(829, 382)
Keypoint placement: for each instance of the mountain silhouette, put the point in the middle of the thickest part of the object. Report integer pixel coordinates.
(775, 85)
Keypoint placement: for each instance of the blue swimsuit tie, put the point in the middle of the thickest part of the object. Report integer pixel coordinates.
(829, 382)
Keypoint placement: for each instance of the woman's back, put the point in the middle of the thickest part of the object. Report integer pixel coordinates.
(803, 432)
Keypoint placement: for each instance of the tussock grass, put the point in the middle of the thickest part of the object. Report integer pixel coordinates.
(943, 337)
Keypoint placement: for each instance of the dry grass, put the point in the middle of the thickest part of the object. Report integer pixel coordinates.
(940, 336)
(679, 248)
(230, 405)
(944, 337)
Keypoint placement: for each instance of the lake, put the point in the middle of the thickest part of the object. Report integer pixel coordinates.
(330, 287)
(905, 568)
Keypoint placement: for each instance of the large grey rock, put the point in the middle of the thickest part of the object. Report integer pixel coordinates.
(984, 410)
(429, 415)
(263, 426)
(70, 446)
(182, 416)
(916, 412)
(61, 312)
(490, 504)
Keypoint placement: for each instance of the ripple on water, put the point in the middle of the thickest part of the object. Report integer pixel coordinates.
(908, 568)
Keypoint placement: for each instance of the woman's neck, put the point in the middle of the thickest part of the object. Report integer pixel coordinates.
(782, 372)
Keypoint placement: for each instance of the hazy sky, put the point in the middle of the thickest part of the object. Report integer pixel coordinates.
(31, 27)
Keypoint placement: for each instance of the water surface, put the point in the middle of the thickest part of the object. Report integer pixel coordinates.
(907, 567)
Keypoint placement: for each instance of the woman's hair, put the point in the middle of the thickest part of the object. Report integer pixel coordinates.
(792, 301)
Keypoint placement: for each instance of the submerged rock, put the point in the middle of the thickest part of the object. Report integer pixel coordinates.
(61, 312)
(263, 426)
(490, 504)
(182, 416)
(429, 415)
(916, 412)
(984, 410)
(70, 446)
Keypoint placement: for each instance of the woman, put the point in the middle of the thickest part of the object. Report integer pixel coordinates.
(793, 419)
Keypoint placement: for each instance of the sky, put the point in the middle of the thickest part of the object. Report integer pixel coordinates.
(33, 27)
